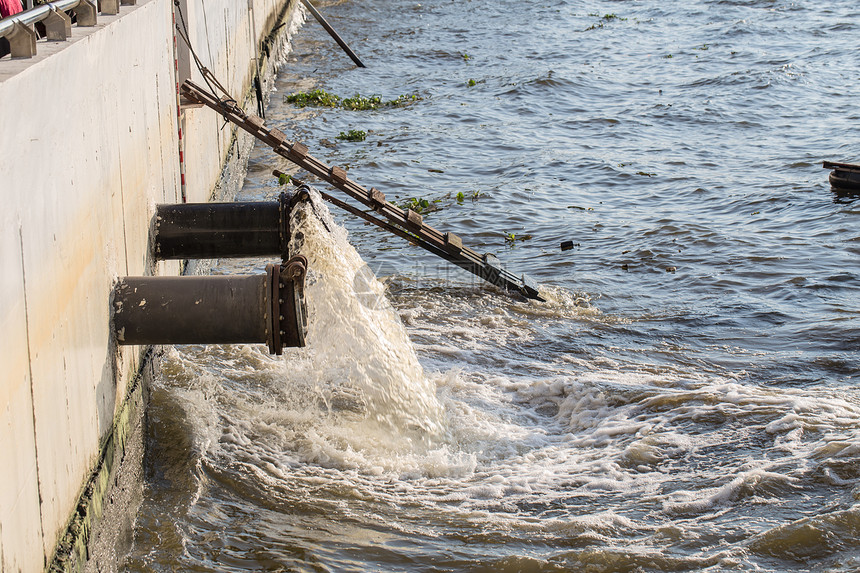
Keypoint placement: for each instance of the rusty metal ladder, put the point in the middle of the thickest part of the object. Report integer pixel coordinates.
(405, 223)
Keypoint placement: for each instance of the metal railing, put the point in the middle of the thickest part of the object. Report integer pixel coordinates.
(18, 29)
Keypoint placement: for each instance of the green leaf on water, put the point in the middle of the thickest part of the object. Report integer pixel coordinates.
(358, 102)
(353, 135)
(419, 205)
(512, 238)
(316, 98)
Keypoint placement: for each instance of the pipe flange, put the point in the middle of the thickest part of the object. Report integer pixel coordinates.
(274, 335)
(285, 207)
(293, 324)
(289, 324)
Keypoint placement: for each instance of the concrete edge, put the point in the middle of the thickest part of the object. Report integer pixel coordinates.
(104, 516)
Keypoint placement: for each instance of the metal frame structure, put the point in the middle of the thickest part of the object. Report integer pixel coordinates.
(403, 222)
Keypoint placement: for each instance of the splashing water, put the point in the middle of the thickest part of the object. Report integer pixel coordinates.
(362, 359)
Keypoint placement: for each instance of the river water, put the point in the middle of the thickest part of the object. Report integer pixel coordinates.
(688, 397)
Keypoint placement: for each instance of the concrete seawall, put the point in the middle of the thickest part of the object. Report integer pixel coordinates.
(89, 145)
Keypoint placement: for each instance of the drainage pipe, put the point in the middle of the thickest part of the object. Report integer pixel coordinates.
(230, 309)
(221, 230)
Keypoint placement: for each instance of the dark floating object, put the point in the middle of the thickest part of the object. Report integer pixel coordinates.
(567, 245)
(845, 176)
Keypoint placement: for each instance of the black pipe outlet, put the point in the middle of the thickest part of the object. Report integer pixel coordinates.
(230, 309)
(222, 230)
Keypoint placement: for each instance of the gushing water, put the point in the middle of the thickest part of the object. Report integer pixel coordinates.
(360, 355)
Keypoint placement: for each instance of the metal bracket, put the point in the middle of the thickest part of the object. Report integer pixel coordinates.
(58, 25)
(377, 199)
(22, 41)
(86, 13)
(453, 243)
(110, 7)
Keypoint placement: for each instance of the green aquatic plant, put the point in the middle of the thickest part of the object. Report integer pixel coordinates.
(604, 19)
(418, 204)
(445, 201)
(512, 238)
(316, 98)
(422, 205)
(358, 102)
(402, 100)
(353, 135)
(472, 83)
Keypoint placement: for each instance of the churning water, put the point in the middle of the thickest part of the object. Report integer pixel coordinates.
(688, 399)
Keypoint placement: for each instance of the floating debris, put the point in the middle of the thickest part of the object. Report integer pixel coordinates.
(512, 238)
(844, 177)
(353, 135)
(358, 102)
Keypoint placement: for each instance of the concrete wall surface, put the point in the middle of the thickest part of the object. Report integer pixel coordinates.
(89, 141)
(224, 48)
